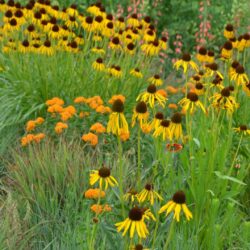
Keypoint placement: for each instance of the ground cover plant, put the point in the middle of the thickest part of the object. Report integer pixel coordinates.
(105, 149)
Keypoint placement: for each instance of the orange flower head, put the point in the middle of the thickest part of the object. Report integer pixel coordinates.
(91, 138)
(94, 193)
(31, 125)
(54, 101)
(172, 90)
(173, 106)
(39, 120)
(80, 99)
(98, 128)
(39, 137)
(60, 126)
(162, 92)
(55, 108)
(124, 136)
(83, 114)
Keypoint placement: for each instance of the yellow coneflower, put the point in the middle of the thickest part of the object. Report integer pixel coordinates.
(79, 39)
(103, 175)
(151, 48)
(240, 77)
(11, 26)
(127, 38)
(55, 32)
(120, 23)
(140, 114)
(185, 62)
(146, 21)
(234, 42)
(199, 88)
(233, 67)
(149, 194)
(108, 30)
(24, 46)
(202, 54)
(94, 9)
(46, 48)
(227, 50)
(177, 204)
(224, 100)
(175, 126)
(241, 44)
(157, 120)
(115, 71)
(131, 195)
(212, 69)
(190, 102)
(246, 37)
(98, 23)
(151, 95)
(133, 21)
(149, 36)
(130, 48)
(246, 88)
(210, 56)
(163, 43)
(136, 72)
(117, 121)
(195, 78)
(98, 50)
(138, 247)
(72, 10)
(98, 64)
(229, 31)
(87, 24)
(242, 129)
(134, 222)
(115, 43)
(217, 83)
(156, 80)
(163, 130)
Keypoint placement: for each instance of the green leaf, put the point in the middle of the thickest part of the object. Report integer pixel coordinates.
(226, 177)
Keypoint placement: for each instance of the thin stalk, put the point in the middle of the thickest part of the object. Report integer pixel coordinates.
(139, 156)
(170, 234)
(120, 173)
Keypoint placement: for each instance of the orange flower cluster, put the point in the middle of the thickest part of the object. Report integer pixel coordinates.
(26, 140)
(98, 128)
(94, 193)
(95, 103)
(56, 106)
(60, 126)
(100, 208)
(91, 138)
(31, 125)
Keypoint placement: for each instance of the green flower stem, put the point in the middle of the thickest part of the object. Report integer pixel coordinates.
(120, 173)
(139, 157)
(94, 229)
(170, 234)
(155, 230)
